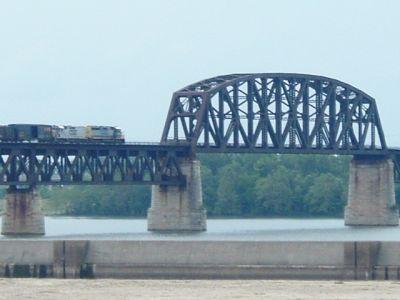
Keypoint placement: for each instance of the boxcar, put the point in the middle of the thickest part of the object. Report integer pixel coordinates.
(7, 133)
(31, 132)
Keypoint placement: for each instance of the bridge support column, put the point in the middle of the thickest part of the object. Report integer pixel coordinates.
(22, 212)
(179, 208)
(371, 198)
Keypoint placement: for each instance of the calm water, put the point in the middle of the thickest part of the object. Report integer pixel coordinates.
(220, 229)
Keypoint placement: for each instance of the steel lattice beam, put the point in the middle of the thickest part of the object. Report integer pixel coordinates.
(56, 164)
(275, 113)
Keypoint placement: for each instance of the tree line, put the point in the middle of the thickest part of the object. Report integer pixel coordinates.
(245, 185)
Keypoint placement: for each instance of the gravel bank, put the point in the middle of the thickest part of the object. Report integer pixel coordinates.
(195, 289)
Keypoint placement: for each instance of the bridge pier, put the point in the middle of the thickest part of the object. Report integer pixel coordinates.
(371, 196)
(176, 208)
(22, 212)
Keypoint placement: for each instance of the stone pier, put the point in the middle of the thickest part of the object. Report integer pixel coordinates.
(22, 212)
(371, 196)
(179, 208)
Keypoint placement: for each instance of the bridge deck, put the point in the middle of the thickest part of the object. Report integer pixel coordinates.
(132, 146)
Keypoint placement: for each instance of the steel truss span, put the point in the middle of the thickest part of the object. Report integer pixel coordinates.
(280, 113)
(253, 113)
(56, 164)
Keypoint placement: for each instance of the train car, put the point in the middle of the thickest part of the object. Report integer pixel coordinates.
(105, 133)
(70, 133)
(7, 133)
(28, 133)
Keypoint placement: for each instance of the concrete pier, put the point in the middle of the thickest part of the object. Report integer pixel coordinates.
(371, 196)
(22, 213)
(179, 208)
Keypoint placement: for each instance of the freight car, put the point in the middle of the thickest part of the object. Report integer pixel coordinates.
(60, 134)
(26, 132)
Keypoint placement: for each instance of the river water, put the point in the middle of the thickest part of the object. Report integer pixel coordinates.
(219, 229)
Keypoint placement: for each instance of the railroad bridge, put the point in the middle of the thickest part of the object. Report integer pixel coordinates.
(238, 113)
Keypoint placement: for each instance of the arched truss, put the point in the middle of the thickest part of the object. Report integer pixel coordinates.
(274, 111)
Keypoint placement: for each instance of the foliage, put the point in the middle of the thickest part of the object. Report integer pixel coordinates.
(233, 185)
(97, 200)
(275, 185)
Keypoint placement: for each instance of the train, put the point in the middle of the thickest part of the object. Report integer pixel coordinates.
(60, 133)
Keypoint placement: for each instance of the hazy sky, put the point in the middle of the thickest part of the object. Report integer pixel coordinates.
(118, 62)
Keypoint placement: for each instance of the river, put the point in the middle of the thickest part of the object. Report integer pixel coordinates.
(274, 229)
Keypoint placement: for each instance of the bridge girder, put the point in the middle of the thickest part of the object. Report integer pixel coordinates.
(31, 164)
(274, 112)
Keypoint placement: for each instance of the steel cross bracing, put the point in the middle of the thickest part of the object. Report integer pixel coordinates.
(274, 113)
(62, 164)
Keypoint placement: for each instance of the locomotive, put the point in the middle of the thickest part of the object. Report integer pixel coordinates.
(62, 134)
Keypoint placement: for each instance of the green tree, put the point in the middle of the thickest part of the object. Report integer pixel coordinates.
(98, 200)
(326, 195)
(236, 188)
(276, 193)
(210, 188)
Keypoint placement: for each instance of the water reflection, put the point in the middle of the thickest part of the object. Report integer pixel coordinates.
(219, 229)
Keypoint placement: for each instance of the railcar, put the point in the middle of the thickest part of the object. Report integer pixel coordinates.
(70, 133)
(6, 133)
(104, 133)
(88, 134)
(26, 132)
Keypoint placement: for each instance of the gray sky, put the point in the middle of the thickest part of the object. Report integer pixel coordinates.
(118, 62)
